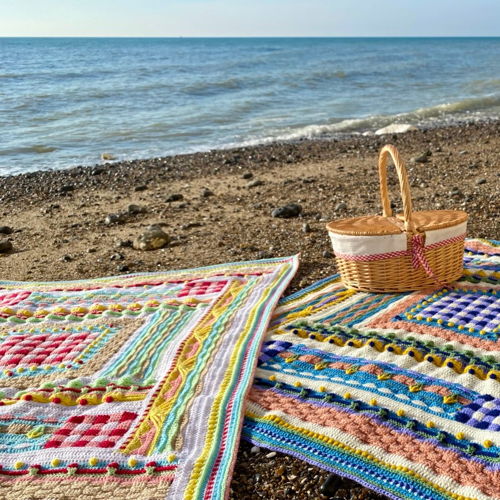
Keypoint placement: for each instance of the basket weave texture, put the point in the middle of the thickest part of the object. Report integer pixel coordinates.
(410, 251)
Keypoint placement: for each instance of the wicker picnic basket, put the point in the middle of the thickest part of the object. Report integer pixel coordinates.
(409, 251)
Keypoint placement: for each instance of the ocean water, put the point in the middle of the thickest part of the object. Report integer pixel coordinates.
(65, 101)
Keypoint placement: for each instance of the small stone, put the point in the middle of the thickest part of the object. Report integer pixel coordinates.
(264, 255)
(327, 254)
(423, 158)
(287, 211)
(279, 471)
(5, 230)
(464, 152)
(247, 175)
(143, 187)
(306, 228)
(340, 206)
(5, 246)
(207, 193)
(117, 256)
(254, 450)
(66, 258)
(190, 225)
(92, 250)
(151, 239)
(174, 197)
(67, 188)
(331, 486)
(136, 209)
(115, 219)
(97, 170)
(272, 454)
(255, 183)
(123, 243)
(481, 181)
(123, 268)
(107, 157)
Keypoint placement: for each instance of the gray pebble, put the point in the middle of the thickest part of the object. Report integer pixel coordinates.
(481, 181)
(327, 254)
(272, 454)
(287, 211)
(5, 230)
(306, 228)
(254, 449)
(115, 219)
(135, 209)
(340, 206)
(255, 183)
(5, 246)
(247, 175)
(174, 197)
(206, 193)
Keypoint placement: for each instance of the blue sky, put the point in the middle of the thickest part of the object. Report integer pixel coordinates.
(250, 18)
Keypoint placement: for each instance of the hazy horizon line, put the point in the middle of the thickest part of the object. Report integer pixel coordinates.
(251, 37)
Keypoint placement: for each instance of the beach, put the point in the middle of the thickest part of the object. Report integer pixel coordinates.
(216, 207)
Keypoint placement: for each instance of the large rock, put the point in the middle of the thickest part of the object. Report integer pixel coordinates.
(152, 238)
(396, 128)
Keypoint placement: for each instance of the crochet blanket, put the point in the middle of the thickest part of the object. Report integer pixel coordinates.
(130, 387)
(399, 392)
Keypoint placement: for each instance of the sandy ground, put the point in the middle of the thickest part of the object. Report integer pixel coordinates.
(59, 227)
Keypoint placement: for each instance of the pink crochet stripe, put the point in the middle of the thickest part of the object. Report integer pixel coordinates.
(399, 253)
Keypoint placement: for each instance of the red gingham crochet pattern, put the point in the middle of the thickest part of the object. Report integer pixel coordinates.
(201, 288)
(101, 431)
(41, 349)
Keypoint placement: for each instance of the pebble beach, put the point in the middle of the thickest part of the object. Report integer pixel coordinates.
(239, 204)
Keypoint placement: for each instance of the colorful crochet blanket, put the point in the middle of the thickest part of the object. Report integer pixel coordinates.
(130, 387)
(399, 392)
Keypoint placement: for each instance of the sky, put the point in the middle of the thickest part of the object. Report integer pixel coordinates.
(221, 18)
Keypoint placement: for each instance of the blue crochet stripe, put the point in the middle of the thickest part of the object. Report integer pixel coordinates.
(396, 485)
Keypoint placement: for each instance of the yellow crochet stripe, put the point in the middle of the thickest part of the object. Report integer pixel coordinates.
(308, 311)
(363, 453)
(65, 399)
(95, 308)
(210, 442)
(185, 362)
(413, 352)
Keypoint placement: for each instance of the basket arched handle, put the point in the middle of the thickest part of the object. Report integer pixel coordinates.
(386, 152)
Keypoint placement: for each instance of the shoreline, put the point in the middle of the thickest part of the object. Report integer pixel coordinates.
(336, 136)
(216, 207)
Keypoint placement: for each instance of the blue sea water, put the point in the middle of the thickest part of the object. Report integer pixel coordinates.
(65, 101)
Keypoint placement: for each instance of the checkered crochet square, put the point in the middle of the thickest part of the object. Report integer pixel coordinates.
(471, 310)
(193, 288)
(483, 413)
(49, 348)
(272, 349)
(100, 431)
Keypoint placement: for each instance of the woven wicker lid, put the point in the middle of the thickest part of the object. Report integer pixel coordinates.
(377, 225)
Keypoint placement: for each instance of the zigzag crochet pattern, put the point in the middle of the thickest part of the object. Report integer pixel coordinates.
(130, 387)
(399, 392)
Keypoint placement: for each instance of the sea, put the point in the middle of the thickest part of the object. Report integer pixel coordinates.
(66, 101)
